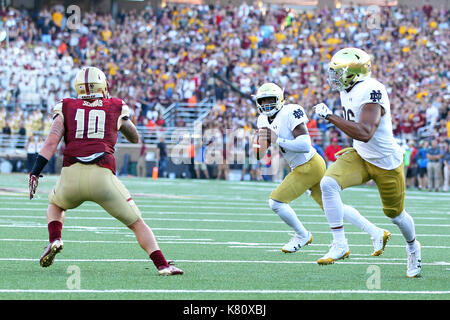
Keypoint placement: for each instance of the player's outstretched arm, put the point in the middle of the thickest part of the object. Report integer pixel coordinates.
(128, 129)
(363, 130)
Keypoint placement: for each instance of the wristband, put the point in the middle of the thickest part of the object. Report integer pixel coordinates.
(38, 166)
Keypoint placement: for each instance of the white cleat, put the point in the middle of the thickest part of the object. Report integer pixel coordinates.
(50, 252)
(414, 261)
(296, 243)
(337, 251)
(379, 243)
(171, 270)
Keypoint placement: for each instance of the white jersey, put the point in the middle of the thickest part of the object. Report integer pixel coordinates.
(381, 150)
(289, 117)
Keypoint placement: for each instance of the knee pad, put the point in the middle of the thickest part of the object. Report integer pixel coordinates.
(329, 185)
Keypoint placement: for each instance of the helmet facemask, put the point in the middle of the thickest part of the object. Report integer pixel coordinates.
(340, 79)
(271, 108)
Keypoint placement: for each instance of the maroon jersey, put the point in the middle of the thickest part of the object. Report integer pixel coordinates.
(91, 128)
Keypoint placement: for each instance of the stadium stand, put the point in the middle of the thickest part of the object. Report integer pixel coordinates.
(181, 63)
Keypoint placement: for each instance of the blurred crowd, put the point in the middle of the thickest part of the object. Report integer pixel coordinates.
(154, 58)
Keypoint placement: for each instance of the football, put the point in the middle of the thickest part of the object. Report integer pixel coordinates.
(261, 142)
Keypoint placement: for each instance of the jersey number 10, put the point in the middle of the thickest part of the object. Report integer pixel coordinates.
(96, 124)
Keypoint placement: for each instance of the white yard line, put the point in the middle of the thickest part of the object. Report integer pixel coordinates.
(215, 213)
(235, 244)
(230, 220)
(220, 291)
(348, 261)
(116, 230)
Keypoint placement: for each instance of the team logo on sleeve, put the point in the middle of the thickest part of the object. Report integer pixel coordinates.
(298, 113)
(375, 95)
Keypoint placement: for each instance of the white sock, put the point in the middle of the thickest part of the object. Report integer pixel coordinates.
(287, 214)
(339, 235)
(406, 225)
(333, 207)
(354, 217)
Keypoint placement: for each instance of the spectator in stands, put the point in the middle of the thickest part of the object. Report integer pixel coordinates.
(422, 163)
(224, 167)
(32, 150)
(411, 165)
(434, 167)
(22, 131)
(162, 156)
(199, 160)
(446, 166)
(2, 117)
(141, 166)
(318, 146)
(6, 129)
(172, 55)
(331, 150)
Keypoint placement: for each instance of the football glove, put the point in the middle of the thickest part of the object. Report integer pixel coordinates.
(32, 184)
(322, 110)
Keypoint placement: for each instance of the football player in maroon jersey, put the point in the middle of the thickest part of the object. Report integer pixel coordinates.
(89, 125)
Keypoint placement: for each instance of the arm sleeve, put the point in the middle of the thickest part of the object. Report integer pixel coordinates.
(301, 144)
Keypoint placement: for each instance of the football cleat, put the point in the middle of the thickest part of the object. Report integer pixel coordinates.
(379, 243)
(337, 251)
(50, 252)
(414, 261)
(171, 270)
(296, 243)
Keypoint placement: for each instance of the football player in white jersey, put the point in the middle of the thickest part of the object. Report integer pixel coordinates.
(375, 154)
(288, 124)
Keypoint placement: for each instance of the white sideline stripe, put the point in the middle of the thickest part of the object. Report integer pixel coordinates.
(369, 261)
(105, 229)
(159, 238)
(227, 206)
(223, 291)
(235, 244)
(149, 214)
(258, 221)
(236, 202)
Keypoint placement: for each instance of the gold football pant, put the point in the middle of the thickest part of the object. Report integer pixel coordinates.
(304, 177)
(352, 170)
(89, 182)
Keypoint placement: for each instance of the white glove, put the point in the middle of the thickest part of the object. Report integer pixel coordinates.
(322, 110)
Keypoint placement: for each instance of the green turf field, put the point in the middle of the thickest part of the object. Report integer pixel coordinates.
(225, 238)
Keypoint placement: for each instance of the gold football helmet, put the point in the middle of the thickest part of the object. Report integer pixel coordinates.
(90, 83)
(268, 90)
(347, 67)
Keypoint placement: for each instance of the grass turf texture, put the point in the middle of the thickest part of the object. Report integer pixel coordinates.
(225, 238)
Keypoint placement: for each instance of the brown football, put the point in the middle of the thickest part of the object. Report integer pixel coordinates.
(264, 144)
